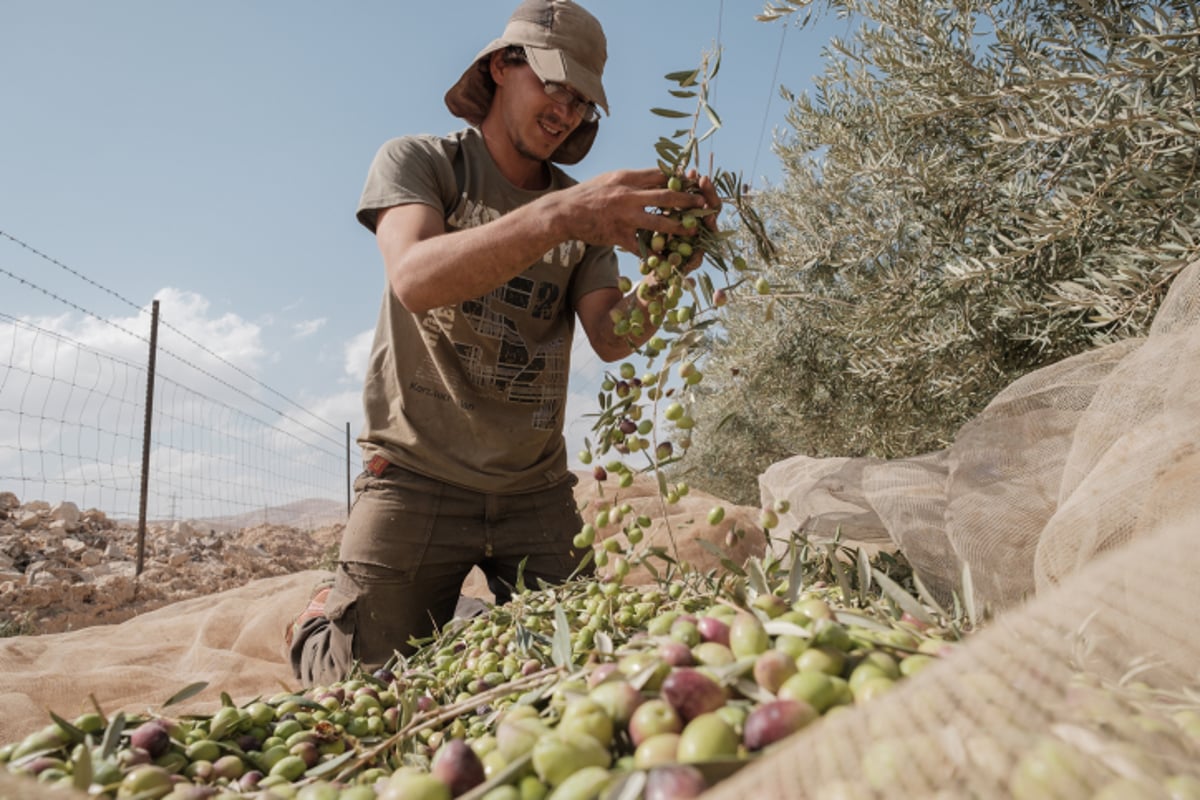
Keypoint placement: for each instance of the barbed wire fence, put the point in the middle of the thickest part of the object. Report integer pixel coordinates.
(78, 424)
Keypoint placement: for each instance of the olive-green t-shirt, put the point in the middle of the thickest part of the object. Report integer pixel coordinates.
(474, 394)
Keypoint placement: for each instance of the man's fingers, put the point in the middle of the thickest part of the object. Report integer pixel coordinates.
(665, 198)
(660, 223)
(651, 178)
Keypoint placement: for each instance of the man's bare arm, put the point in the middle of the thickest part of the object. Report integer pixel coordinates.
(426, 268)
(597, 310)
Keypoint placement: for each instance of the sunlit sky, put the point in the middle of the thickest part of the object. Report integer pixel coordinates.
(211, 155)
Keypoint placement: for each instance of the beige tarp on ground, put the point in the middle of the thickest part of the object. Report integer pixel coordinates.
(1068, 462)
(233, 640)
(1073, 498)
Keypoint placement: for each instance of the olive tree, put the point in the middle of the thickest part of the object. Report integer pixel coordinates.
(971, 191)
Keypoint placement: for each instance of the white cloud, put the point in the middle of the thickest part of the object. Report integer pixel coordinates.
(587, 372)
(227, 337)
(302, 330)
(73, 407)
(357, 355)
(72, 395)
(341, 408)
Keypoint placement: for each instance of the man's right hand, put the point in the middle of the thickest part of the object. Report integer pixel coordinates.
(611, 208)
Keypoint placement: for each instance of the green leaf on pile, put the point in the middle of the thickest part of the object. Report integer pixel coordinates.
(839, 571)
(758, 579)
(303, 702)
(327, 767)
(968, 587)
(864, 576)
(861, 621)
(751, 690)
(81, 768)
(520, 588)
(796, 573)
(588, 557)
(903, 599)
(628, 787)
(778, 627)
(191, 690)
(112, 736)
(75, 734)
(560, 653)
(927, 596)
(654, 573)
(726, 562)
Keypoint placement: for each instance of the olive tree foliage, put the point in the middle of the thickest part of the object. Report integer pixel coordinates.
(972, 190)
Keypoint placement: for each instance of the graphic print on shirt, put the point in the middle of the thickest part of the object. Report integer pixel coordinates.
(496, 358)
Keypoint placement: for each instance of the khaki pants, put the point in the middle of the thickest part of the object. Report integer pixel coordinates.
(408, 545)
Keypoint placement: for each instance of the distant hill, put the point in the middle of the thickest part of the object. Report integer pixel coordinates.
(302, 515)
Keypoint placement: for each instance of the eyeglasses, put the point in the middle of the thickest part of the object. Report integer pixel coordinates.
(564, 96)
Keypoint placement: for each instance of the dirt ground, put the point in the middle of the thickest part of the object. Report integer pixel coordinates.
(62, 569)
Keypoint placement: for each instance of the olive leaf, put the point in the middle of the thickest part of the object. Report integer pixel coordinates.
(520, 587)
(74, 734)
(968, 588)
(561, 652)
(902, 598)
(328, 767)
(628, 787)
(795, 574)
(81, 767)
(839, 570)
(685, 77)
(112, 736)
(756, 576)
(864, 575)
(927, 596)
(191, 690)
(777, 627)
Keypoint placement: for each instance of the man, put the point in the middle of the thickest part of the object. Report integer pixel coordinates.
(491, 252)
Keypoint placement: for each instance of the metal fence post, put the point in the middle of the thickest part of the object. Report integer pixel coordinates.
(141, 538)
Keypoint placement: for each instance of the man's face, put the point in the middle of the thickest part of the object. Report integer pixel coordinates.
(537, 125)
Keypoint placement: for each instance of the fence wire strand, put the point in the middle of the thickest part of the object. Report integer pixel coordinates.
(71, 429)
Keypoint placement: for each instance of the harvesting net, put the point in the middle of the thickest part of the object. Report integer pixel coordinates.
(1073, 503)
(1067, 512)
(1089, 690)
(232, 641)
(1072, 460)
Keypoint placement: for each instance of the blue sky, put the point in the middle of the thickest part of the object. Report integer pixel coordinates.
(211, 155)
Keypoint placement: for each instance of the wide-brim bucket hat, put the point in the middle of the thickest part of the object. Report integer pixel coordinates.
(563, 43)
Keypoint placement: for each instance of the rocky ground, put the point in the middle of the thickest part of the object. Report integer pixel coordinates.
(63, 569)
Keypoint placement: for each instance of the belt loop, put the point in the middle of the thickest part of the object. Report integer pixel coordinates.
(377, 465)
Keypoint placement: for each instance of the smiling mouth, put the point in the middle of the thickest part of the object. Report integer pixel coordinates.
(551, 129)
